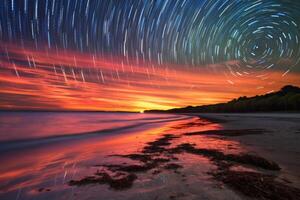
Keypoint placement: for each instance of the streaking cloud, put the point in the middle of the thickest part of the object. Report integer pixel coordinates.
(135, 55)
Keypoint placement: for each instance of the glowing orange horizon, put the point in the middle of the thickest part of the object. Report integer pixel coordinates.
(65, 80)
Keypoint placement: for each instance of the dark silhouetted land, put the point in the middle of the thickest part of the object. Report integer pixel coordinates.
(285, 100)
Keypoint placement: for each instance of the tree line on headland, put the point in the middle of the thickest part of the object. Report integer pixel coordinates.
(285, 100)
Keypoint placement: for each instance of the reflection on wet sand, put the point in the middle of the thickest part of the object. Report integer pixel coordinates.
(176, 155)
(51, 166)
(54, 163)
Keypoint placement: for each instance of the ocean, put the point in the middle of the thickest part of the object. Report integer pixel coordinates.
(24, 128)
(47, 149)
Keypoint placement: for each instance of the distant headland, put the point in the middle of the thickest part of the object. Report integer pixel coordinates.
(287, 99)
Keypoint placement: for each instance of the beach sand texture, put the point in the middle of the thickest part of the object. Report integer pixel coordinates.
(205, 156)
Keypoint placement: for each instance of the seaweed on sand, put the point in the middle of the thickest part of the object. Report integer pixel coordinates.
(257, 185)
(121, 181)
(172, 166)
(126, 176)
(252, 184)
(218, 156)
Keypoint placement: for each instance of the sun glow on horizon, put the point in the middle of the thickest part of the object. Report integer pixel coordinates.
(61, 80)
(139, 55)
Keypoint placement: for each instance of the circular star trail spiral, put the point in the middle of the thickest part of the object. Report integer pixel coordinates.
(259, 35)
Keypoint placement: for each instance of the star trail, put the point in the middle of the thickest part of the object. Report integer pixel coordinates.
(133, 54)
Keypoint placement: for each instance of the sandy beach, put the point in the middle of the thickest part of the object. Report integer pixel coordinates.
(280, 142)
(149, 99)
(200, 156)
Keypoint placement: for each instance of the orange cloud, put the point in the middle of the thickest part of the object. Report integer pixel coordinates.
(66, 80)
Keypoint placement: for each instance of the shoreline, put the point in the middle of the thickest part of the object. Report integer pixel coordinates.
(281, 136)
(247, 177)
(229, 156)
(6, 146)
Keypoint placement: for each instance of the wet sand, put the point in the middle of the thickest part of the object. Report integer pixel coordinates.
(279, 142)
(216, 156)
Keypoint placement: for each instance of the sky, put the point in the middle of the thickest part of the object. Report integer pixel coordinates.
(133, 55)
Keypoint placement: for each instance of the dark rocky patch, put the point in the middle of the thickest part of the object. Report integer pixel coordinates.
(146, 166)
(86, 180)
(43, 190)
(253, 160)
(257, 185)
(172, 166)
(163, 141)
(149, 159)
(121, 181)
(153, 149)
(158, 146)
(157, 152)
(219, 156)
(156, 172)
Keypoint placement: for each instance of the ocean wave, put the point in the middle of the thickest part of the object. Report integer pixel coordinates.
(29, 142)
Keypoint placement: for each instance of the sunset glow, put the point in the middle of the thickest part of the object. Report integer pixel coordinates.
(56, 80)
(149, 99)
(139, 55)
